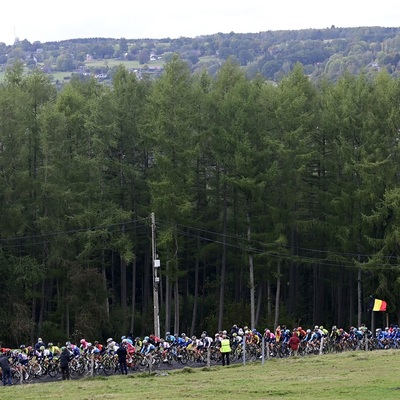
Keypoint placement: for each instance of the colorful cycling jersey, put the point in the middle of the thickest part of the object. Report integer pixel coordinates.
(22, 358)
(270, 337)
(170, 338)
(147, 348)
(165, 345)
(55, 350)
(206, 341)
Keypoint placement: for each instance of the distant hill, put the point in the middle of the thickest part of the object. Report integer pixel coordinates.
(324, 53)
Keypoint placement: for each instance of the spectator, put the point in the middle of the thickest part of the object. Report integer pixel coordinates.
(6, 369)
(39, 344)
(294, 343)
(122, 353)
(65, 358)
(225, 349)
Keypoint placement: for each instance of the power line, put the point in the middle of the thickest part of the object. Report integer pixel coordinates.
(243, 244)
(50, 237)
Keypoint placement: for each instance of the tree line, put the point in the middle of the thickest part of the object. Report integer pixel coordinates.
(273, 202)
(324, 53)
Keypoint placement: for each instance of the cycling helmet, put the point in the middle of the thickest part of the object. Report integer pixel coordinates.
(287, 331)
(109, 340)
(224, 332)
(316, 327)
(267, 331)
(308, 330)
(123, 337)
(22, 346)
(146, 338)
(41, 348)
(63, 348)
(203, 335)
(194, 337)
(183, 334)
(234, 334)
(83, 341)
(168, 333)
(144, 341)
(50, 344)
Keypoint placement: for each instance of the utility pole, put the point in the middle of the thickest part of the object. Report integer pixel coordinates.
(156, 278)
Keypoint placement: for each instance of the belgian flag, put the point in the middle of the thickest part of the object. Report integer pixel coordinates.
(377, 305)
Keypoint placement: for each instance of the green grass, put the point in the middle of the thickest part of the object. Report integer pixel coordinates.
(100, 63)
(355, 375)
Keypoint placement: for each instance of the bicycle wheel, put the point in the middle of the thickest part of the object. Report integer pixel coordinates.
(170, 359)
(108, 368)
(15, 377)
(52, 370)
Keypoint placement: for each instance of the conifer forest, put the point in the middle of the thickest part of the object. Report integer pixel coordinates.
(274, 203)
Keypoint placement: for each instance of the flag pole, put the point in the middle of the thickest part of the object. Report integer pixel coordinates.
(373, 323)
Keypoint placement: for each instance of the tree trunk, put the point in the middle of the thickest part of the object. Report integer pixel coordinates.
(104, 277)
(223, 262)
(278, 294)
(351, 301)
(42, 301)
(124, 305)
(33, 316)
(167, 299)
(133, 305)
(359, 298)
(196, 290)
(269, 301)
(259, 298)
(251, 276)
(67, 322)
(176, 303)
(146, 283)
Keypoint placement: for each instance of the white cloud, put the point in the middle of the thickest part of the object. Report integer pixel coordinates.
(49, 21)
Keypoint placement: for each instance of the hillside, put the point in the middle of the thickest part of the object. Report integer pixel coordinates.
(324, 53)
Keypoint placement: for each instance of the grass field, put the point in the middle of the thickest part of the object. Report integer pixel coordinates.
(355, 375)
(101, 63)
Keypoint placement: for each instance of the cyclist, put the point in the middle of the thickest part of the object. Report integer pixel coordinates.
(236, 341)
(301, 333)
(39, 344)
(165, 347)
(84, 344)
(308, 336)
(206, 340)
(169, 338)
(55, 350)
(147, 348)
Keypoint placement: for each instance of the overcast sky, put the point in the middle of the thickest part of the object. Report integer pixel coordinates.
(50, 20)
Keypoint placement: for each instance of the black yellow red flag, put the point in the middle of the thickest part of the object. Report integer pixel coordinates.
(377, 305)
